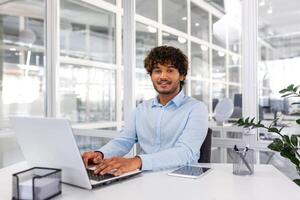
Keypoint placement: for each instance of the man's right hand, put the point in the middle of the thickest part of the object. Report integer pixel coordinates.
(92, 158)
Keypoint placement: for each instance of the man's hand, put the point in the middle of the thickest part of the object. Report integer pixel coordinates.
(118, 165)
(92, 158)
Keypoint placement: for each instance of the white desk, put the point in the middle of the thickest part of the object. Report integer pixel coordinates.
(219, 184)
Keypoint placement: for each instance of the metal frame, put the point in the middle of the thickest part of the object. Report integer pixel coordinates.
(52, 55)
(129, 54)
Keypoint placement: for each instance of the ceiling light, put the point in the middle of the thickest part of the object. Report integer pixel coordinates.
(262, 3)
(270, 10)
(197, 24)
(181, 40)
(184, 18)
(234, 59)
(221, 53)
(166, 34)
(151, 29)
(12, 49)
(203, 47)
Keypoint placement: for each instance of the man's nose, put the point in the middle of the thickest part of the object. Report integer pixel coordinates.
(163, 75)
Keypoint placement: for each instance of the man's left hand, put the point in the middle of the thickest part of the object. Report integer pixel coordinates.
(118, 165)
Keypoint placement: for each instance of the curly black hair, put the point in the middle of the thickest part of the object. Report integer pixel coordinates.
(167, 55)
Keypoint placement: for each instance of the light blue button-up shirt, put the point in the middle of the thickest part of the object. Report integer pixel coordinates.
(169, 135)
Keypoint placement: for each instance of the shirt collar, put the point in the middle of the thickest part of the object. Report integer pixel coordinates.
(177, 100)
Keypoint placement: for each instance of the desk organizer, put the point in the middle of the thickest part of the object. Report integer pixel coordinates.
(37, 183)
(243, 161)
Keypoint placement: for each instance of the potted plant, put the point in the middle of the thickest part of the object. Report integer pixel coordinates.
(288, 146)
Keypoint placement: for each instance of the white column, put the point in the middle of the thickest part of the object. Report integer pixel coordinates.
(249, 63)
(119, 66)
(129, 58)
(52, 55)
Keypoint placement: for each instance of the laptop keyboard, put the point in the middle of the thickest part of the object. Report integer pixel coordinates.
(98, 177)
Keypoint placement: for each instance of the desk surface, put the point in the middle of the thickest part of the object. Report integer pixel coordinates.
(219, 184)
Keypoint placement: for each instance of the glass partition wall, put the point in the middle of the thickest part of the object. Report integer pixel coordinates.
(22, 69)
(278, 67)
(90, 86)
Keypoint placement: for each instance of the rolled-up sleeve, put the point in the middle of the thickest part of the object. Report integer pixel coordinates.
(186, 150)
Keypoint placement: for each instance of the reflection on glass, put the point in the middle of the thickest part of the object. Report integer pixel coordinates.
(234, 135)
(200, 91)
(236, 96)
(278, 61)
(218, 93)
(234, 69)
(22, 66)
(147, 8)
(218, 31)
(144, 88)
(86, 94)
(175, 14)
(199, 22)
(216, 154)
(233, 90)
(90, 36)
(216, 134)
(146, 39)
(219, 65)
(234, 39)
(200, 60)
(175, 41)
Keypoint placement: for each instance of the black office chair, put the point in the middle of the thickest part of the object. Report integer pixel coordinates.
(205, 150)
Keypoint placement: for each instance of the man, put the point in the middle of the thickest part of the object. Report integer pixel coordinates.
(170, 128)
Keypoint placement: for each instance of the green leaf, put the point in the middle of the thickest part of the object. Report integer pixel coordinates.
(295, 103)
(252, 120)
(290, 87)
(297, 181)
(294, 140)
(298, 121)
(294, 160)
(286, 139)
(240, 121)
(276, 145)
(261, 125)
(283, 91)
(285, 152)
(288, 94)
(247, 120)
(273, 129)
(296, 88)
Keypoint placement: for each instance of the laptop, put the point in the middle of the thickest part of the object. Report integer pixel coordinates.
(49, 142)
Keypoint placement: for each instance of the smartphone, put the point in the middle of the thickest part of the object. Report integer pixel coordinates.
(190, 171)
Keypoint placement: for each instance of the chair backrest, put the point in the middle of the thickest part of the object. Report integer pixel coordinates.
(205, 150)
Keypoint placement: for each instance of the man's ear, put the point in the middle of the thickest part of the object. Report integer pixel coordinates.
(182, 78)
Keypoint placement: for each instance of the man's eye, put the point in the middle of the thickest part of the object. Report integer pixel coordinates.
(170, 70)
(156, 71)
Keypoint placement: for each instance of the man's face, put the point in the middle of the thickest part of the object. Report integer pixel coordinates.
(166, 79)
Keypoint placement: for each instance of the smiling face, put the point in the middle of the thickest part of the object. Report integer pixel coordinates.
(166, 79)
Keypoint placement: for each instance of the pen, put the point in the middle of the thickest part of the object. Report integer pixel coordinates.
(246, 163)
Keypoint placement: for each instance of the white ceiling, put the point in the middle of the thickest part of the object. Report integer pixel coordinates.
(285, 18)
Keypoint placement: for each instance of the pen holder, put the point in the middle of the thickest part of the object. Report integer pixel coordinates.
(36, 183)
(243, 161)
